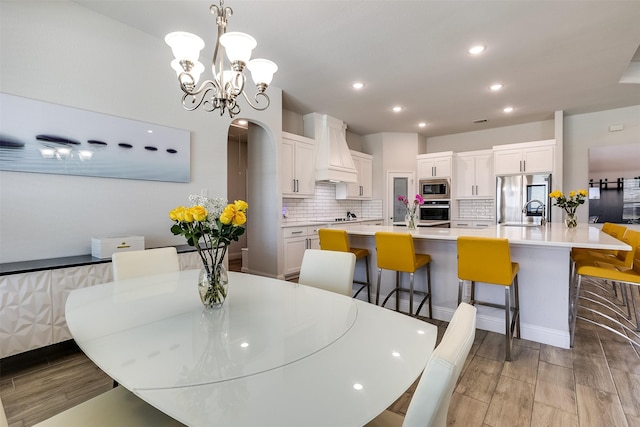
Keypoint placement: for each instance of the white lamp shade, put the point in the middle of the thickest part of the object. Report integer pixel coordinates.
(238, 46)
(262, 70)
(185, 46)
(195, 72)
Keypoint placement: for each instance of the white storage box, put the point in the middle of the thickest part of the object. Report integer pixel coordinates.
(104, 247)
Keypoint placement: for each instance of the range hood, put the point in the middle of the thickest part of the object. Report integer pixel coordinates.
(333, 159)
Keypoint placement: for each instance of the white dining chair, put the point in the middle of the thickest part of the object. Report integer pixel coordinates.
(3, 416)
(116, 407)
(430, 402)
(329, 270)
(131, 264)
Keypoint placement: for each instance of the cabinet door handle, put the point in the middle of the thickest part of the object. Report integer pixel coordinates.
(524, 166)
(296, 232)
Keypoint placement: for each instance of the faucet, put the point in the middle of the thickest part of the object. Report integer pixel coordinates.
(543, 219)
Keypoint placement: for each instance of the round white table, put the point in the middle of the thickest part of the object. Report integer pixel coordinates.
(275, 354)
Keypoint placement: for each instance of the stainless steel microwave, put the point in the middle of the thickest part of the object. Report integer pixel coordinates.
(435, 188)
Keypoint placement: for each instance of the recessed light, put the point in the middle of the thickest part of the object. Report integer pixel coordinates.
(496, 86)
(422, 124)
(508, 109)
(149, 131)
(242, 122)
(474, 50)
(358, 386)
(397, 109)
(358, 85)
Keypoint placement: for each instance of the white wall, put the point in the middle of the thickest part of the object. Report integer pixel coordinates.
(62, 53)
(487, 138)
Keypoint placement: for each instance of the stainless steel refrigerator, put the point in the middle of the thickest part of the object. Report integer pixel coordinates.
(523, 199)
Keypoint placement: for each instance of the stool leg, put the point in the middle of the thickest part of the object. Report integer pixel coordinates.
(507, 328)
(411, 295)
(378, 286)
(366, 260)
(473, 292)
(516, 297)
(635, 309)
(397, 292)
(429, 290)
(574, 312)
(460, 286)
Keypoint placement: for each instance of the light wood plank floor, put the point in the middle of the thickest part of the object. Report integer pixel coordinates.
(597, 383)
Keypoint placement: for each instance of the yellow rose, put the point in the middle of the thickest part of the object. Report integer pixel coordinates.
(199, 213)
(582, 193)
(241, 205)
(240, 218)
(555, 194)
(228, 214)
(173, 214)
(572, 194)
(187, 215)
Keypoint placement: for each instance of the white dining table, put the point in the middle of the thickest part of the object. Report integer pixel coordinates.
(275, 354)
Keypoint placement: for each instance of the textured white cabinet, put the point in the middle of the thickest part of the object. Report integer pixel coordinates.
(474, 176)
(65, 280)
(530, 157)
(32, 304)
(25, 312)
(297, 172)
(435, 165)
(361, 190)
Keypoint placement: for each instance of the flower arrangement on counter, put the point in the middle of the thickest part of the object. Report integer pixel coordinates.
(569, 204)
(210, 225)
(411, 217)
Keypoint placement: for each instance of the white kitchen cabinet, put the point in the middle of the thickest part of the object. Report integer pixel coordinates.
(361, 190)
(297, 172)
(474, 177)
(530, 157)
(472, 223)
(435, 165)
(296, 241)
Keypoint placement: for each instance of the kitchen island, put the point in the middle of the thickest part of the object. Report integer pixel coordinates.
(542, 252)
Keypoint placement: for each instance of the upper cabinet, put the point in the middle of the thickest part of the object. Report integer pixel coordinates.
(436, 165)
(361, 190)
(474, 177)
(529, 157)
(297, 171)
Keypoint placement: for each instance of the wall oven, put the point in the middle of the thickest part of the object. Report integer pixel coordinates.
(434, 188)
(435, 210)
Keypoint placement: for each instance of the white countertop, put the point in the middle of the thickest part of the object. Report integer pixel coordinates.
(327, 222)
(553, 235)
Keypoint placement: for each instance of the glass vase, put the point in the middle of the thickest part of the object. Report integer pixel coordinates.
(411, 220)
(571, 220)
(213, 283)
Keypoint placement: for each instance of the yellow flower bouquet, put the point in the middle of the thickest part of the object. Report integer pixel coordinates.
(210, 225)
(569, 204)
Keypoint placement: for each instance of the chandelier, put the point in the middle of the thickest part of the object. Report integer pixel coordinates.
(228, 83)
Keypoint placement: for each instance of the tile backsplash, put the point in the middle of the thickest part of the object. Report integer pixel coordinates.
(324, 206)
(476, 209)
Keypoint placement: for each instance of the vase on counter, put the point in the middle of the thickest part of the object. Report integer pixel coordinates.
(411, 220)
(571, 220)
(213, 283)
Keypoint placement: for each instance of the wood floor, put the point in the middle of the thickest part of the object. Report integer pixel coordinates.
(597, 383)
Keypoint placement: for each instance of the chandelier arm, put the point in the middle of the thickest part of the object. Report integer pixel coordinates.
(264, 95)
(191, 100)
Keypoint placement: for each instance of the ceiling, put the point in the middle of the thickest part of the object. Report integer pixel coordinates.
(549, 55)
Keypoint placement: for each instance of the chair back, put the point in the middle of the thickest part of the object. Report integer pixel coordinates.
(631, 238)
(329, 270)
(617, 231)
(395, 251)
(430, 402)
(485, 259)
(606, 228)
(333, 240)
(131, 264)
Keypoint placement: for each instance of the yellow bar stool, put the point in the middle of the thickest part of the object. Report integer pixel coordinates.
(488, 260)
(625, 277)
(395, 251)
(337, 240)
